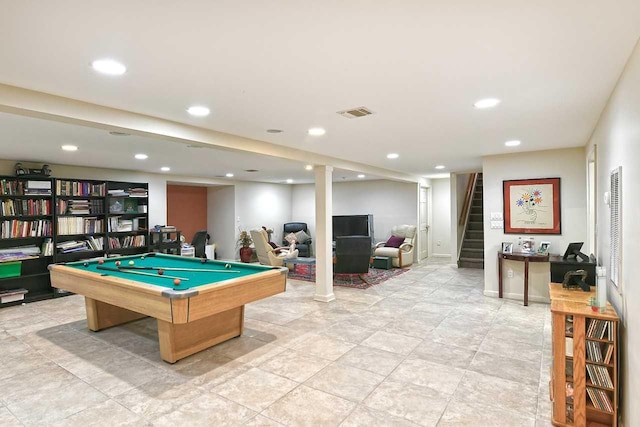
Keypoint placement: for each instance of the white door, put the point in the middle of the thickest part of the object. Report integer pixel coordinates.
(424, 223)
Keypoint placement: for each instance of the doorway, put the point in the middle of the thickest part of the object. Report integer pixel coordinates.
(423, 229)
(592, 205)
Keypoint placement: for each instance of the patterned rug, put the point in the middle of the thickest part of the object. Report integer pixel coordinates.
(375, 276)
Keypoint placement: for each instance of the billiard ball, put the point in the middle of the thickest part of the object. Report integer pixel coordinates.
(117, 263)
(203, 260)
(176, 282)
(100, 261)
(227, 266)
(131, 262)
(161, 272)
(86, 264)
(142, 257)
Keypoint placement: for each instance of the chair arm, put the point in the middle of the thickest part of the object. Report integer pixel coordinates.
(406, 247)
(379, 245)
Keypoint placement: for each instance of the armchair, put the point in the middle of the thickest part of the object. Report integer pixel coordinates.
(304, 246)
(402, 255)
(267, 255)
(353, 254)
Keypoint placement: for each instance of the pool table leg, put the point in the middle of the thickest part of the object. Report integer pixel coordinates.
(101, 315)
(178, 341)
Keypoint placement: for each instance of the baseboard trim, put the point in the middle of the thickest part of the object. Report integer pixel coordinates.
(517, 297)
(440, 256)
(324, 298)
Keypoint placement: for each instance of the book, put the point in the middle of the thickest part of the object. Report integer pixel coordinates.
(568, 349)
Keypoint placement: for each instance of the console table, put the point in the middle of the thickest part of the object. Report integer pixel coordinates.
(519, 256)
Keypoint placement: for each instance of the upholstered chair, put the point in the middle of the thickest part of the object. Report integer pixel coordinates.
(303, 240)
(267, 254)
(400, 246)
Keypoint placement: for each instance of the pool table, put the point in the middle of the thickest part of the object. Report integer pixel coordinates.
(204, 309)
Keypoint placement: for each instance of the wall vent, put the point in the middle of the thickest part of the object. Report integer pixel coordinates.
(354, 113)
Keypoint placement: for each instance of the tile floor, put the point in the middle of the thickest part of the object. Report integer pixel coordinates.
(425, 348)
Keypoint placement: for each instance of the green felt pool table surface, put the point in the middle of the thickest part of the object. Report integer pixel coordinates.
(194, 278)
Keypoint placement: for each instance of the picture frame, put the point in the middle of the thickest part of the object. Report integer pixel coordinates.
(531, 206)
(507, 247)
(528, 246)
(543, 249)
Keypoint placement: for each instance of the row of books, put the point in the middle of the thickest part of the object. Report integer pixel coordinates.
(15, 207)
(600, 399)
(80, 225)
(129, 192)
(599, 375)
(600, 329)
(120, 224)
(80, 188)
(595, 353)
(127, 242)
(568, 325)
(16, 228)
(81, 207)
(12, 187)
(89, 244)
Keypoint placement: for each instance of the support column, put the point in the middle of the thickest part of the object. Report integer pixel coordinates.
(323, 237)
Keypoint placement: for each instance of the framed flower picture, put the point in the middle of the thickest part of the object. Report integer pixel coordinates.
(532, 206)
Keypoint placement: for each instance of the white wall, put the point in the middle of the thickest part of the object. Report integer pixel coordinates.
(221, 220)
(260, 204)
(617, 137)
(569, 165)
(441, 217)
(390, 202)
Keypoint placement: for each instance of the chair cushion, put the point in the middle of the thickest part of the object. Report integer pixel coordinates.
(394, 242)
(291, 238)
(302, 237)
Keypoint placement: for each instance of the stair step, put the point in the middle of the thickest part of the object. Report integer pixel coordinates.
(475, 217)
(473, 244)
(474, 226)
(474, 234)
(470, 263)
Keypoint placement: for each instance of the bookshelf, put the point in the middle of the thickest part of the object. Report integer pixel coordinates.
(127, 218)
(584, 374)
(26, 233)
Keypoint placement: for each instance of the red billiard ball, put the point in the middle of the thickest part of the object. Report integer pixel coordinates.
(161, 272)
(176, 282)
(100, 261)
(117, 263)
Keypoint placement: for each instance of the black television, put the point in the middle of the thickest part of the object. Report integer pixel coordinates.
(352, 225)
(573, 251)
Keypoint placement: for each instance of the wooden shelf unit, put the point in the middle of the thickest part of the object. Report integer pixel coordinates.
(572, 306)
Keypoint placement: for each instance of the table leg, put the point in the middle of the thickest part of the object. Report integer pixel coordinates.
(178, 341)
(499, 276)
(526, 281)
(101, 315)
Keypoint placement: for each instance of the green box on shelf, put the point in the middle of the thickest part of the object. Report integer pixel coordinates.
(383, 262)
(10, 269)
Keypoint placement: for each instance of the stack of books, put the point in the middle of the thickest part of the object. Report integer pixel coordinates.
(37, 188)
(137, 192)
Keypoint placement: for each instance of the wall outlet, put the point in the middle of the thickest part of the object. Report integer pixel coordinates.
(439, 242)
(510, 273)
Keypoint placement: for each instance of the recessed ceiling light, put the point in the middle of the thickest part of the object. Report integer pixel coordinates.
(198, 111)
(69, 147)
(274, 131)
(440, 167)
(109, 66)
(116, 133)
(317, 131)
(308, 167)
(393, 155)
(513, 143)
(228, 175)
(289, 181)
(165, 169)
(141, 156)
(486, 103)
(361, 176)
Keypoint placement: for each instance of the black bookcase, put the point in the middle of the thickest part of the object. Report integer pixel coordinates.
(127, 205)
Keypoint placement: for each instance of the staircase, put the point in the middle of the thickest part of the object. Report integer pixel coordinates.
(472, 253)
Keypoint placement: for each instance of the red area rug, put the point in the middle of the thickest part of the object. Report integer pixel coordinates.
(375, 276)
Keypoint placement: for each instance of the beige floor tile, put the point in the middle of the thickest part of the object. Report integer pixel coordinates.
(464, 414)
(441, 378)
(256, 389)
(294, 365)
(408, 326)
(250, 351)
(323, 346)
(528, 352)
(107, 414)
(470, 340)
(371, 359)
(207, 410)
(363, 416)
(444, 354)
(346, 331)
(307, 407)
(123, 376)
(345, 381)
(262, 421)
(7, 419)
(506, 367)
(394, 343)
(420, 405)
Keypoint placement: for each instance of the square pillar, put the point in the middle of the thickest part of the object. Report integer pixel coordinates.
(324, 232)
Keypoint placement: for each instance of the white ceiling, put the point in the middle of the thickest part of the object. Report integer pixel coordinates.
(419, 65)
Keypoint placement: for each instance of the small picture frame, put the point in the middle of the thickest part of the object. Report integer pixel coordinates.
(544, 248)
(507, 247)
(528, 246)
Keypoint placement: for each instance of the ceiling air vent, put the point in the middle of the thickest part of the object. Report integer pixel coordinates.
(354, 113)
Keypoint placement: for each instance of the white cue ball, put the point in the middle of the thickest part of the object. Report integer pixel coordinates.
(131, 262)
